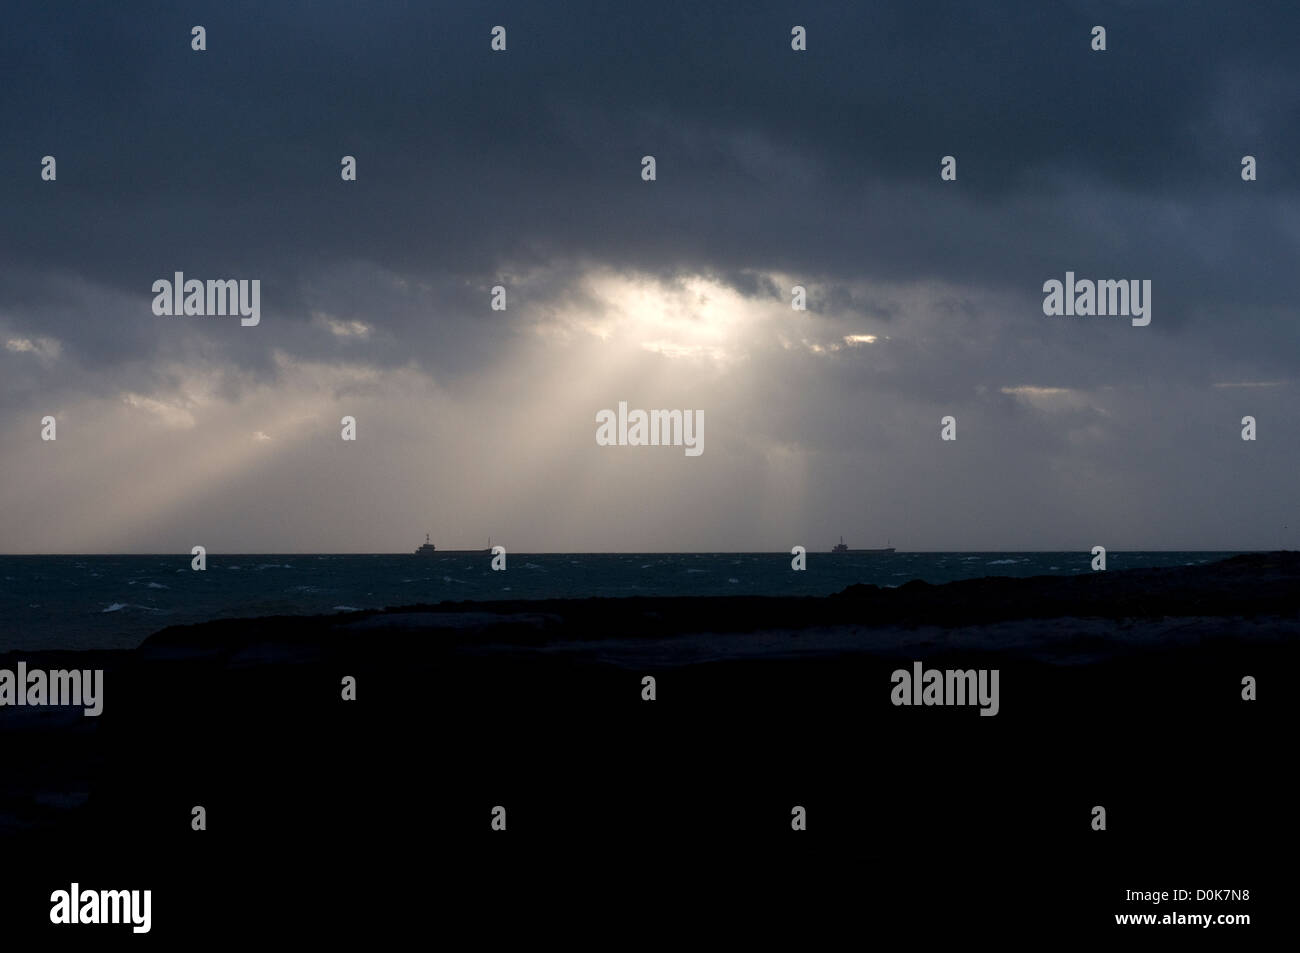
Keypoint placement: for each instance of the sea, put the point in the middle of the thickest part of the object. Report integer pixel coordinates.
(116, 602)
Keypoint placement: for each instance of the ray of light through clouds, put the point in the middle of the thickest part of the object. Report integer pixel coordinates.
(924, 297)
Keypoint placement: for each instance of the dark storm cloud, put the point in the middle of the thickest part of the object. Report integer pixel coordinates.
(825, 163)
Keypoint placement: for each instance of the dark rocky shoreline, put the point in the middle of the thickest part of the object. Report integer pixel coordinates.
(1120, 689)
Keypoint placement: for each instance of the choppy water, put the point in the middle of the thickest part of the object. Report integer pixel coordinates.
(82, 602)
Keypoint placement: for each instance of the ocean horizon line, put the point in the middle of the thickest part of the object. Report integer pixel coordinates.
(627, 552)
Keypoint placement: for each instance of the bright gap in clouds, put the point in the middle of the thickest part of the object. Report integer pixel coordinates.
(690, 317)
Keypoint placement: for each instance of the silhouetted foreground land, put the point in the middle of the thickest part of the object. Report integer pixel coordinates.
(628, 817)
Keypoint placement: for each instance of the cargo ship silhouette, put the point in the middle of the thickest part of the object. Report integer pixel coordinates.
(428, 549)
(840, 547)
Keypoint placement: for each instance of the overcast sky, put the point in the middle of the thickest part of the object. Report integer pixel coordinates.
(774, 168)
